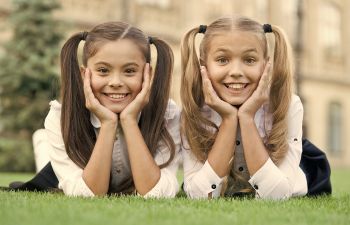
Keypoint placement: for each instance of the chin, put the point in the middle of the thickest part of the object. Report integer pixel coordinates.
(117, 109)
(235, 102)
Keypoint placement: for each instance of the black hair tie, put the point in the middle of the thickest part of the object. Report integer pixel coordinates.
(84, 35)
(150, 40)
(202, 29)
(267, 28)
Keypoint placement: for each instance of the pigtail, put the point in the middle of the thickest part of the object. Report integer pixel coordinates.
(153, 125)
(193, 123)
(280, 95)
(75, 124)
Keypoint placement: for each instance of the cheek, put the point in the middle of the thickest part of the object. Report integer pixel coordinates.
(255, 74)
(215, 73)
(136, 84)
(96, 83)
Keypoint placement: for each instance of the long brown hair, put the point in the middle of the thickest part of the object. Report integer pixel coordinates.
(194, 126)
(77, 131)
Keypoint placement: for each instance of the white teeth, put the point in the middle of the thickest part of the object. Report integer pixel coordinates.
(235, 86)
(117, 96)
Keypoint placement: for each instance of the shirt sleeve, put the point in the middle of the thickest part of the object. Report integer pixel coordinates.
(167, 185)
(68, 173)
(286, 179)
(199, 178)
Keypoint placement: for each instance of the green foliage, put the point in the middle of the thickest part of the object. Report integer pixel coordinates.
(16, 155)
(29, 73)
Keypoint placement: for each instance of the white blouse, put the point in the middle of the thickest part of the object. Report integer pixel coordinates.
(270, 181)
(70, 175)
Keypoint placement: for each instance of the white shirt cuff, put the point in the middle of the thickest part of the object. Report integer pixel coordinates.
(78, 189)
(166, 187)
(205, 181)
(266, 179)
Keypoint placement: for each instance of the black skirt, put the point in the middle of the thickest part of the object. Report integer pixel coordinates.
(316, 167)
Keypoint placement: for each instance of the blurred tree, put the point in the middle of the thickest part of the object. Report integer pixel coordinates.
(28, 77)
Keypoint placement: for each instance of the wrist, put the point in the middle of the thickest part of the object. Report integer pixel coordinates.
(229, 118)
(128, 120)
(245, 118)
(111, 124)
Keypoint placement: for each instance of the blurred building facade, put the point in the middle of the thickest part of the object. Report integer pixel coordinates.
(317, 30)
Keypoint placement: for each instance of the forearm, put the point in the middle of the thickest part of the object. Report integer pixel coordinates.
(145, 171)
(223, 148)
(97, 172)
(255, 152)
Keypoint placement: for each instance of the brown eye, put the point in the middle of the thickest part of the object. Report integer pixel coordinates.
(103, 70)
(130, 71)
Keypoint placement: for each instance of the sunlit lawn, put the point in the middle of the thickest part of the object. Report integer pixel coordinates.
(39, 208)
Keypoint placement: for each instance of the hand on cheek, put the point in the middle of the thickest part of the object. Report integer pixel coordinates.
(93, 105)
(259, 96)
(212, 99)
(132, 110)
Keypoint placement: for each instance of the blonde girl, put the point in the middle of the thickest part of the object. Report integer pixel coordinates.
(241, 124)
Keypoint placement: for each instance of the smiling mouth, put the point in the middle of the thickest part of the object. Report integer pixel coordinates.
(236, 87)
(117, 96)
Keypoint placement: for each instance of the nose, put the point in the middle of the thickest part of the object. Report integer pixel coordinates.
(236, 69)
(115, 81)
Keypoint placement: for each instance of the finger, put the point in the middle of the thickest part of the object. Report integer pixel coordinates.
(209, 93)
(204, 74)
(89, 95)
(151, 75)
(146, 76)
(205, 78)
(206, 81)
(264, 80)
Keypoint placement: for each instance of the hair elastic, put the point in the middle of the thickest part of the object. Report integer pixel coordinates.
(150, 40)
(84, 35)
(202, 29)
(267, 28)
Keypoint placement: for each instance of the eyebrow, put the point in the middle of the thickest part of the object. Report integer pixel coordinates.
(103, 63)
(250, 50)
(245, 51)
(221, 50)
(131, 64)
(110, 65)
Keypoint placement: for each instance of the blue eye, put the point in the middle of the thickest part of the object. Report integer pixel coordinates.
(250, 60)
(222, 60)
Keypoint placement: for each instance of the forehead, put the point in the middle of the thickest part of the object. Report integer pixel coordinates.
(235, 41)
(120, 50)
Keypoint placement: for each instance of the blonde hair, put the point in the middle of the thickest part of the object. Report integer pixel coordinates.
(201, 132)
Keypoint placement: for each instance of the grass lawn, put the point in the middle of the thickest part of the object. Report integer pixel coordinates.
(50, 209)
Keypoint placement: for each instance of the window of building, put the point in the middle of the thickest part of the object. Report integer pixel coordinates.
(330, 30)
(159, 3)
(335, 128)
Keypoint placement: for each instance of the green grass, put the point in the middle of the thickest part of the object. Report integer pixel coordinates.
(45, 208)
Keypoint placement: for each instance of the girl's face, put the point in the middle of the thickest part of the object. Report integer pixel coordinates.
(235, 62)
(117, 73)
